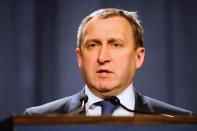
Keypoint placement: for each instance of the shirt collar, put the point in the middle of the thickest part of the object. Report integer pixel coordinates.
(91, 97)
(126, 97)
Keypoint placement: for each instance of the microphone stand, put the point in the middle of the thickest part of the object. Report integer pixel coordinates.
(114, 100)
(83, 101)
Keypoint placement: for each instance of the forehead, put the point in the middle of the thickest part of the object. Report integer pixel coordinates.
(114, 24)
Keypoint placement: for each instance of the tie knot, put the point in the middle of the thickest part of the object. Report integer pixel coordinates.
(106, 106)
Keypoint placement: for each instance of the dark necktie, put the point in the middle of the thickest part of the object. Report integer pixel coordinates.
(106, 106)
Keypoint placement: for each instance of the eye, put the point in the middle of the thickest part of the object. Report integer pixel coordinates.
(116, 44)
(92, 44)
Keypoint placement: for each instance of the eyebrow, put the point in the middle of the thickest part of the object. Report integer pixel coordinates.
(92, 40)
(109, 40)
(115, 39)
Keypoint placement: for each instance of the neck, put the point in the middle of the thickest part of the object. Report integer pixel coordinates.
(108, 93)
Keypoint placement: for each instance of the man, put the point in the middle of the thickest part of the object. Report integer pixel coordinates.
(109, 51)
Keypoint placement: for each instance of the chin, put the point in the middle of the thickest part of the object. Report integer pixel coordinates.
(106, 88)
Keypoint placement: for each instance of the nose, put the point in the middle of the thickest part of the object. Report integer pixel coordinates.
(103, 56)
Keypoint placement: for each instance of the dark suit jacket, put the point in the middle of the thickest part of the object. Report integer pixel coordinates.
(68, 104)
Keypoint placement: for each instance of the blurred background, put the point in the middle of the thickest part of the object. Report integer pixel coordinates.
(38, 40)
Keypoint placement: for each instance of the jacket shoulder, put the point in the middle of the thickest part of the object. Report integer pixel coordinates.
(156, 106)
(59, 106)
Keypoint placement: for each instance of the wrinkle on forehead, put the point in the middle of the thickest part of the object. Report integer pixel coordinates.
(112, 28)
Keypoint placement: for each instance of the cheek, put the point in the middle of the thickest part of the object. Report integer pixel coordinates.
(88, 63)
(126, 64)
(86, 69)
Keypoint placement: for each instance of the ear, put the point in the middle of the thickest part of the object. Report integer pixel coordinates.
(140, 54)
(78, 52)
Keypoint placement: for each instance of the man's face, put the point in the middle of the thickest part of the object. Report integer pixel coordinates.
(108, 57)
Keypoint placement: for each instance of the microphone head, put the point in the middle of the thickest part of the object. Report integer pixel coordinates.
(114, 100)
(84, 98)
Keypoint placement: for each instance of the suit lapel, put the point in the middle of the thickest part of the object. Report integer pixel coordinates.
(74, 103)
(141, 103)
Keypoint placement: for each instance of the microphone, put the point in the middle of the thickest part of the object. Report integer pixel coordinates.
(83, 100)
(114, 100)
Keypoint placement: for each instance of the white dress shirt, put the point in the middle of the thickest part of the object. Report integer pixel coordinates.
(126, 98)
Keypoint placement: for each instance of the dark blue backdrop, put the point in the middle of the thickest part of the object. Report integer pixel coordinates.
(38, 40)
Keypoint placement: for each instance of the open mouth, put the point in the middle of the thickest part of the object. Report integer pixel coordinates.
(103, 71)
